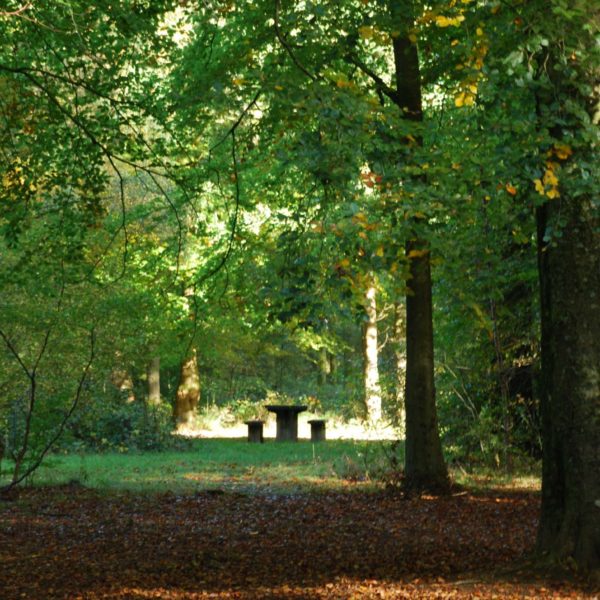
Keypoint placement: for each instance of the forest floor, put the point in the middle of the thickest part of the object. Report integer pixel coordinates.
(72, 542)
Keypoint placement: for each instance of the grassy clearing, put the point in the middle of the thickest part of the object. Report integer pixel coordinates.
(234, 464)
(220, 463)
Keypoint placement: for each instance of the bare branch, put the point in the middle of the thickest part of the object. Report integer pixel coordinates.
(286, 46)
(380, 85)
(38, 461)
(16, 13)
(237, 122)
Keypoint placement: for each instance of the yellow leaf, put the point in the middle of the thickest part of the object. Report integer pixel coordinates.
(278, 88)
(238, 81)
(362, 235)
(459, 101)
(442, 21)
(539, 186)
(550, 178)
(553, 193)
(562, 151)
(454, 43)
(344, 262)
(479, 31)
(456, 166)
(511, 189)
(379, 251)
(417, 253)
(412, 37)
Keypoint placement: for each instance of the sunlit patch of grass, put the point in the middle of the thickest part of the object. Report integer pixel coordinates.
(211, 464)
(522, 478)
(235, 464)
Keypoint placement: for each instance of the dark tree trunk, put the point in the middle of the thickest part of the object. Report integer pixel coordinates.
(569, 268)
(425, 468)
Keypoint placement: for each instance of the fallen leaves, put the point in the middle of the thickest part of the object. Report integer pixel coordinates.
(78, 544)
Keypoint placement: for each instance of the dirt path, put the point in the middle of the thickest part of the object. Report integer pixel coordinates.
(74, 543)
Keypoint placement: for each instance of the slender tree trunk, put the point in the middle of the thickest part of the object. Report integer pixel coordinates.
(153, 377)
(371, 356)
(400, 366)
(424, 465)
(324, 366)
(569, 268)
(188, 392)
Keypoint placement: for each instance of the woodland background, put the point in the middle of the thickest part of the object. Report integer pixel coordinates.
(207, 206)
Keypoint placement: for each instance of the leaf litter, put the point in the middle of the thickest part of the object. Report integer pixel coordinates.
(72, 542)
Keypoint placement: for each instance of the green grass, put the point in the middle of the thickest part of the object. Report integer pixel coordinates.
(234, 464)
(219, 463)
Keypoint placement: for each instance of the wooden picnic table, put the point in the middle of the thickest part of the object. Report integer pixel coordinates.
(287, 420)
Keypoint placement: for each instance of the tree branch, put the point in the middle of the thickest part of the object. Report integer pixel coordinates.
(380, 84)
(286, 46)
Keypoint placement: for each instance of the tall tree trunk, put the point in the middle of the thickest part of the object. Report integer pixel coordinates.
(569, 268)
(153, 377)
(371, 355)
(568, 228)
(324, 366)
(188, 392)
(399, 366)
(424, 465)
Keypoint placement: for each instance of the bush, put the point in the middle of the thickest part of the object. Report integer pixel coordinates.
(108, 423)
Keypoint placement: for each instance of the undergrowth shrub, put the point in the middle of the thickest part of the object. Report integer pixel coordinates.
(108, 423)
(380, 464)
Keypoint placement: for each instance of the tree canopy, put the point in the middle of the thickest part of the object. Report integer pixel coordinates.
(302, 200)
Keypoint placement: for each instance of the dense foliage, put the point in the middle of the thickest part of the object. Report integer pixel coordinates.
(243, 184)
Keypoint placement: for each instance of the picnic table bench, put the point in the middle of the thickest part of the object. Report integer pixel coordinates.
(287, 420)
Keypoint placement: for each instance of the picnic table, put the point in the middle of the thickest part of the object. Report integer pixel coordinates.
(287, 420)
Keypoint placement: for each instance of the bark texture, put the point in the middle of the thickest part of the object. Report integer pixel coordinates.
(569, 269)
